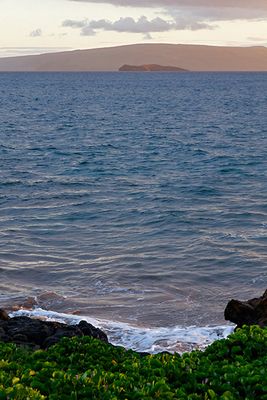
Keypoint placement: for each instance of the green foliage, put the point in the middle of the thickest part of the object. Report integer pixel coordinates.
(85, 368)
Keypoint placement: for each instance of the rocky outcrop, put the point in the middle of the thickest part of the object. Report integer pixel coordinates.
(251, 312)
(150, 68)
(42, 334)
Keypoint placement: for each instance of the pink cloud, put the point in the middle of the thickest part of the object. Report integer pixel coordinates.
(249, 4)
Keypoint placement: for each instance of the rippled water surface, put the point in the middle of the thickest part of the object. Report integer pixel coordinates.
(139, 198)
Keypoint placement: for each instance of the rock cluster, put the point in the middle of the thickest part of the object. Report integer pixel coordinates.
(42, 334)
(251, 312)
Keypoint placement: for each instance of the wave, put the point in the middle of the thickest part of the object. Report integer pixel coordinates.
(142, 339)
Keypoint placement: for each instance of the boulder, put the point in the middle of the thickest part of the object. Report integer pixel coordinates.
(3, 315)
(42, 334)
(250, 312)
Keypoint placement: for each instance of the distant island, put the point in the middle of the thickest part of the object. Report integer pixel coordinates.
(150, 68)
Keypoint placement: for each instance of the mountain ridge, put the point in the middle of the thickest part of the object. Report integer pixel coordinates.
(189, 57)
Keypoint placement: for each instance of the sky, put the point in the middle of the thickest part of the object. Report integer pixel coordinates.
(41, 26)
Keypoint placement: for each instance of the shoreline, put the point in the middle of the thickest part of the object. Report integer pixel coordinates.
(174, 339)
(53, 325)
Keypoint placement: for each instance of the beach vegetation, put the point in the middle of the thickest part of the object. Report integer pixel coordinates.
(86, 368)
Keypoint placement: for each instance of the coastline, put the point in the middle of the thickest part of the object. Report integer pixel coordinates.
(176, 339)
(22, 327)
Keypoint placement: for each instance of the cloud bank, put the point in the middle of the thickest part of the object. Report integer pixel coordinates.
(130, 25)
(210, 9)
(174, 15)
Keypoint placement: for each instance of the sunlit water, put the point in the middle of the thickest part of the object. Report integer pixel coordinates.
(138, 200)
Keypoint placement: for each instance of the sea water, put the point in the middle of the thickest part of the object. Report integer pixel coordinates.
(137, 201)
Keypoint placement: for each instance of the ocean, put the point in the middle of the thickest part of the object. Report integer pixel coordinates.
(137, 201)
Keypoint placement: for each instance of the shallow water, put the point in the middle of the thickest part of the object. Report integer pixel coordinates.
(133, 198)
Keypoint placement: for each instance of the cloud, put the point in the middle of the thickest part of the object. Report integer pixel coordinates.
(74, 24)
(214, 14)
(147, 36)
(211, 9)
(174, 3)
(36, 33)
(130, 25)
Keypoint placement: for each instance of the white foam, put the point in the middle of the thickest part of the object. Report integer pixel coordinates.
(142, 339)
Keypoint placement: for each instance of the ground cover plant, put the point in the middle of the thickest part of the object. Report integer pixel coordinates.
(85, 368)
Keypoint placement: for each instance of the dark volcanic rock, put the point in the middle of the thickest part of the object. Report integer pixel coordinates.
(251, 312)
(42, 334)
(3, 315)
(89, 330)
